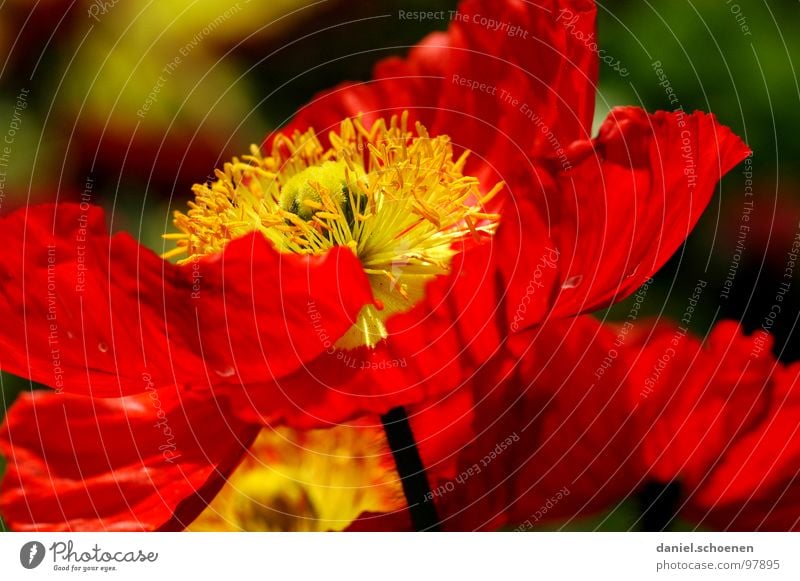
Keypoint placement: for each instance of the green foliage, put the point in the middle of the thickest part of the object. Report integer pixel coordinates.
(736, 62)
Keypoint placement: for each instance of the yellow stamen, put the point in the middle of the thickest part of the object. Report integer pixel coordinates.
(317, 480)
(396, 197)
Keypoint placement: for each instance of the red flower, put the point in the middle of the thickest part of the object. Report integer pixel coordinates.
(551, 437)
(589, 416)
(718, 426)
(139, 463)
(353, 272)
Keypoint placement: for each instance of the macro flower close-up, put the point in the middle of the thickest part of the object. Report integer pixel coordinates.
(467, 284)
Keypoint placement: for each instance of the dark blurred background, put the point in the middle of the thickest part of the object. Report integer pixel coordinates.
(145, 99)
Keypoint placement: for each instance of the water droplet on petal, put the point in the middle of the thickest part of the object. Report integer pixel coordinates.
(573, 281)
(102, 347)
(227, 372)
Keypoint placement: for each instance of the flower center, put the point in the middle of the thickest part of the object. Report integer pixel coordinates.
(396, 197)
(314, 480)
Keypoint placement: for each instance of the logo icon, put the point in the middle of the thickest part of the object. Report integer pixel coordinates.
(31, 554)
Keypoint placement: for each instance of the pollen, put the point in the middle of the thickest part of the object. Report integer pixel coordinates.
(395, 196)
(316, 480)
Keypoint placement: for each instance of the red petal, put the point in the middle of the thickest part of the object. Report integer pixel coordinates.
(538, 53)
(573, 454)
(137, 463)
(529, 263)
(550, 439)
(432, 350)
(754, 487)
(693, 401)
(722, 421)
(94, 314)
(539, 72)
(622, 206)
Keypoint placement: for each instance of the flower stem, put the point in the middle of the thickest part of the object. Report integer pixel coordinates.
(659, 504)
(416, 488)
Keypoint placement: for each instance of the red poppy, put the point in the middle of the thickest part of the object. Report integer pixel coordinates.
(552, 437)
(530, 439)
(142, 462)
(348, 273)
(593, 416)
(718, 427)
(582, 250)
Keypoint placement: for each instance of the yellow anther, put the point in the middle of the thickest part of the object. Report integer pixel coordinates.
(395, 197)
